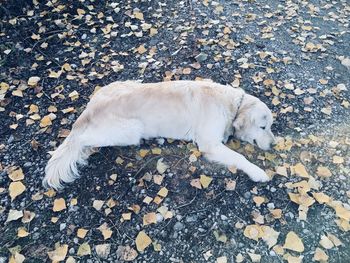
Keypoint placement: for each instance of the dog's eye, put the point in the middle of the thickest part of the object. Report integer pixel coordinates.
(263, 127)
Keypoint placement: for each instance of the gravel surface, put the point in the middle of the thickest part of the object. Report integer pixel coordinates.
(293, 55)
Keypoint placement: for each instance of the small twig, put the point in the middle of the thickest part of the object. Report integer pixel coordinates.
(187, 203)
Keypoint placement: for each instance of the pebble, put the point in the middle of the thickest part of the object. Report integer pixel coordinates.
(201, 57)
(178, 226)
(63, 226)
(193, 218)
(247, 195)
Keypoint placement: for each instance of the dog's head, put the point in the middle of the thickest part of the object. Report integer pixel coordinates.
(253, 123)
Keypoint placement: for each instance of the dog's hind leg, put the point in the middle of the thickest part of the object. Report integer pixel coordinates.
(88, 133)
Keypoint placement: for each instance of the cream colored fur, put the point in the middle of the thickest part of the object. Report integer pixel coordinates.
(207, 113)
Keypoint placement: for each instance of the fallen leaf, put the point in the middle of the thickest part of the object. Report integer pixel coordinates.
(84, 250)
(326, 242)
(33, 81)
(163, 192)
(103, 250)
(254, 257)
(59, 253)
(320, 255)
(15, 189)
(126, 253)
(142, 241)
(161, 167)
(258, 200)
(16, 175)
(22, 232)
(321, 198)
(338, 159)
(105, 230)
(126, 216)
(323, 172)
(149, 218)
(97, 204)
(196, 183)
(81, 232)
(27, 216)
(293, 242)
(59, 205)
(16, 258)
(205, 180)
(300, 170)
(230, 185)
(253, 232)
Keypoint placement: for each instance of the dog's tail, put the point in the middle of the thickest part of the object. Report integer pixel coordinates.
(63, 165)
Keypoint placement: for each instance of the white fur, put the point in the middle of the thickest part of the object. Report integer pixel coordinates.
(122, 113)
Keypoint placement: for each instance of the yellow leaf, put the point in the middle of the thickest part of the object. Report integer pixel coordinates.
(320, 255)
(293, 242)
(84, 249)
(147, 200)
(150, 218)
(141, 49)
(321, 198)
(59, 205)
(81, 233)
(138, 15)
(301, 199)
(258, 200)
(153, 31)
(15, 189)
(58, 254)
(16, 175)
(17, 258)
(253, 232)
(97, 204)
(126, 216)
(281, 170)
(276, 213)
(143, 153)
(156, 151)
(33, 109)
(142, 241)
(33, 81)
(205, 180)
(323, 172)
(338, 159)
(163, 192)
(45, 121)
(326, 242)
(300, 170)
(22, 232)
(342, 212)
(17, 93)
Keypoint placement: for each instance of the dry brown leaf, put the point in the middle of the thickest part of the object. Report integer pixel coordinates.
(323, 172)
(321, 198)
(15, 189)
(293, 242)
(196, 183)
(326, 242)
(149, 218)
(81, 232)
(300, 170)
(126, 216)
(59, 205)
(320, 255)
(253, 232)
(259, 200)
(142, 241)
(27, 216)
(163, 192)
(22, 232)
(143, 152)
(338, 159)
(16, 175)
(230, 185)
(59, 253)
(33, 81)
(97, 204)
(161, 166)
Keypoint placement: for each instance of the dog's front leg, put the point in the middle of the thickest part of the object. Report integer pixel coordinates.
(224, 155)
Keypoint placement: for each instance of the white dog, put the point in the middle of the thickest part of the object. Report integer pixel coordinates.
(122, 113)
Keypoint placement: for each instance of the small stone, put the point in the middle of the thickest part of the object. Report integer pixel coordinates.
(178, 226)
(103, 250)
(201, 57)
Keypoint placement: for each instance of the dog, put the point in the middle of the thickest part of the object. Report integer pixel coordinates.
(123, 113)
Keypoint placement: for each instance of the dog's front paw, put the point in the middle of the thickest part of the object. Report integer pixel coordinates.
(257, 174)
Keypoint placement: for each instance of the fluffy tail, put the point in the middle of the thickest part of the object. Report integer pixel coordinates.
(62, 167)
